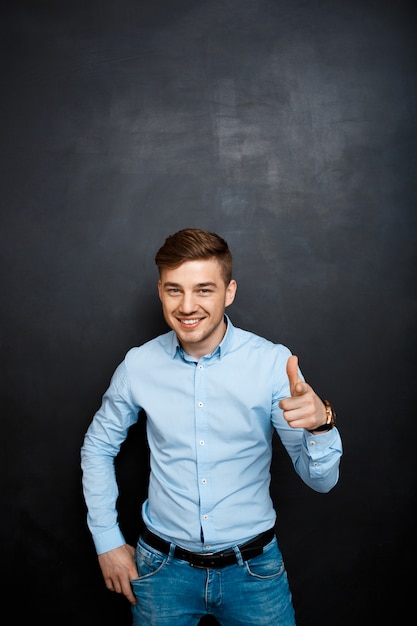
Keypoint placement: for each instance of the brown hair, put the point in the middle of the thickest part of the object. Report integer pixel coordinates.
(193, 244)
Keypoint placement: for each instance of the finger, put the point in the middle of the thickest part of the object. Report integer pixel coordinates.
(128, 593)
(292, 373)
(297, 386)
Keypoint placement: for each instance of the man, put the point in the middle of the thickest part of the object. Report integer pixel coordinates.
(212, 394)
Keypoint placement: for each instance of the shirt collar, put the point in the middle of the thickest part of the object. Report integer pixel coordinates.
(226, 342)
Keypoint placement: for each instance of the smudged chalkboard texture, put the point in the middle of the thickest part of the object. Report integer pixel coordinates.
(287, 127)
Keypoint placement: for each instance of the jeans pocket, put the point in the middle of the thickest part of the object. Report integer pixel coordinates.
(149, 561)
(270, 564)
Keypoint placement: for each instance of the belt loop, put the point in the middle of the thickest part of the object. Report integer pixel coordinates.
(239, 557)
(171, 553)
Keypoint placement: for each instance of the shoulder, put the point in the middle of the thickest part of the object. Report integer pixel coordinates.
(247, 340)
(150, 350)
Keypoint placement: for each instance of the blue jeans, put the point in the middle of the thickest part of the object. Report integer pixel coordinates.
(169, 592)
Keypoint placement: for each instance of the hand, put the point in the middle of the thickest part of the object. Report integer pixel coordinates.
(304, 409)
(119, 568)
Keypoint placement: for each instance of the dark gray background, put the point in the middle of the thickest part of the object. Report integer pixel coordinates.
(290, 129)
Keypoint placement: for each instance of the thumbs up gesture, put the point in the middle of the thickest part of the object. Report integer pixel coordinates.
(303, 409)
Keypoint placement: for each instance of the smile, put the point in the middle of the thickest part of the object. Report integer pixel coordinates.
(189, 322)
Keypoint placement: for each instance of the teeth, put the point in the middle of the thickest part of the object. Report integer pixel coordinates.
(189, 321)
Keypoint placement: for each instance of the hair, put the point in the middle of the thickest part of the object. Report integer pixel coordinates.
(191, 244)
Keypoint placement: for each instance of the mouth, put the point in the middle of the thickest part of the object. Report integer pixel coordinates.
(189, 322)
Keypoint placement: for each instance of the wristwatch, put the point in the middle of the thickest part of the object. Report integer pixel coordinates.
(330, 421)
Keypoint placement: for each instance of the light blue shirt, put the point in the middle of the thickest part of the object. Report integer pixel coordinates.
(209, 425)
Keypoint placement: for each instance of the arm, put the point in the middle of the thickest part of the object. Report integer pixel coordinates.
(102, 441)
(315, 454)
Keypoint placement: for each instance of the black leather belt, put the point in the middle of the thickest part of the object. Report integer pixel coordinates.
(248, 550)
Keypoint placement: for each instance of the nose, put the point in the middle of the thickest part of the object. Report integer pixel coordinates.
(187, 304)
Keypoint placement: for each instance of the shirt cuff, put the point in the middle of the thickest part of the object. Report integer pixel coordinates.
(317, 444)
(109, 540)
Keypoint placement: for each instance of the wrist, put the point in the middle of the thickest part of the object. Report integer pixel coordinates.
(330, 419)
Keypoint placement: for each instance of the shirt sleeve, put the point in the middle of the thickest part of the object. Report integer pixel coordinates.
(102, 442)
(316, 458)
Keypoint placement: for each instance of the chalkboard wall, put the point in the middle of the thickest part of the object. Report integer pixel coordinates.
(290, 129)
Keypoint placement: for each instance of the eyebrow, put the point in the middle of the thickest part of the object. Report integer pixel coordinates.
(198, 285)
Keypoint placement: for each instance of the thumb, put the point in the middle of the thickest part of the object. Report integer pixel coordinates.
(292, 373)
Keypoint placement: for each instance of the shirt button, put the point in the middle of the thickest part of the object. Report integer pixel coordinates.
(200, 367)
(204, 481)
(201, 443)
(200, 404)
(205, 516)
(312, 443)
(315, 464)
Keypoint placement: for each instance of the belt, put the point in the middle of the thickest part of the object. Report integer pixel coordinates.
(248, 550)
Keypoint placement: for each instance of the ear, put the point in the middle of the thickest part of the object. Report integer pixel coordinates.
(159, 289)
(230, 292)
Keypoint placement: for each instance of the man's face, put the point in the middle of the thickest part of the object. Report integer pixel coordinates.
(194, 297)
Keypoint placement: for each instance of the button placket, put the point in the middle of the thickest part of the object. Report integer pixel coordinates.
(202, 447)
